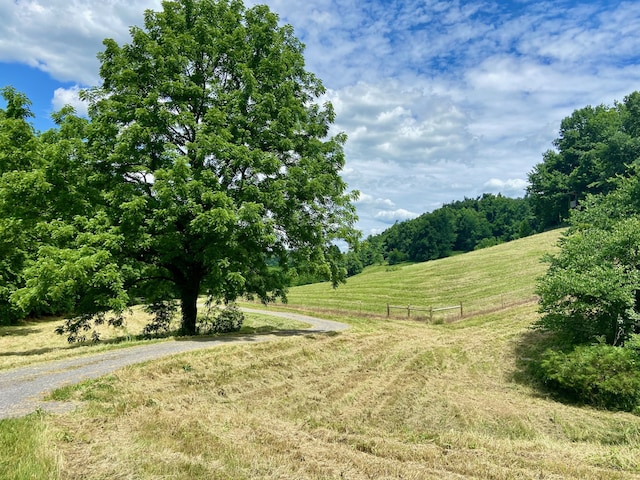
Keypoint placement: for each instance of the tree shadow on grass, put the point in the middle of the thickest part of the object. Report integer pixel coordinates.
(132, 340)
(27, 327)
(72, 346)
(28, 353)
(18, 331)
(529, 349)
(249, 335)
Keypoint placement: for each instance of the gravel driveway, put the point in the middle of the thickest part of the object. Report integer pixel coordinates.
(22, 389)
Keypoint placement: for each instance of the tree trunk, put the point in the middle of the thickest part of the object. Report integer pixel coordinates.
(189, 306)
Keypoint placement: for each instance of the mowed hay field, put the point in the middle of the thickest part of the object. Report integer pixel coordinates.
(481, 280)
(387, 399)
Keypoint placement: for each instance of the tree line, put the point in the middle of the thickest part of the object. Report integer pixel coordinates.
(457, 227)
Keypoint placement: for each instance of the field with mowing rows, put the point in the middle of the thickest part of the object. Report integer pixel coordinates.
(387, 399)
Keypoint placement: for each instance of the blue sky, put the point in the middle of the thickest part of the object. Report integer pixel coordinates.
(441, 100)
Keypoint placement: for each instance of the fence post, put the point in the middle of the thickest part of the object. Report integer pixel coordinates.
(388, 311)
(460, 309)
(408, 311)
(431, 314)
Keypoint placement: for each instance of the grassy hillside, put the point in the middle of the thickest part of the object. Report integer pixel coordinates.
(386, 399)
(481, 280)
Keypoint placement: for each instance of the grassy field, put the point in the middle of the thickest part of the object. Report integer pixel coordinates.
(386, 399)
(481, 280)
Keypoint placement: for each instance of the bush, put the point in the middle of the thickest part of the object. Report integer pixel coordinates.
(600, 375)
(396, 256)
(487, 242)
(227, 320)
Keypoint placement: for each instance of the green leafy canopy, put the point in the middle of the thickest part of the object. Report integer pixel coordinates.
(207, 161)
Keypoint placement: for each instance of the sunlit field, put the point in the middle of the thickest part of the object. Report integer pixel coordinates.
(388, 398)
(481, 280)
(35, 340)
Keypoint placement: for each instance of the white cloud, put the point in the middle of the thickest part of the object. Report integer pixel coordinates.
(406, 125)
(69, 96)
(390, 216)
(62, 37)
(506, 187)
(366, 199)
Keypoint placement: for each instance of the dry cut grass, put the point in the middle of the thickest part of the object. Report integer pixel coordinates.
(35, 341)
(400, 400)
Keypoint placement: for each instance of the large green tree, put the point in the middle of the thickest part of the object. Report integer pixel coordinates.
(592, 288)
(594, 145)
(212, 158)
(590, 302)
(19, 155)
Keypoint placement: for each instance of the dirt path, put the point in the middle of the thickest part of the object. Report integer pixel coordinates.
(22, 389)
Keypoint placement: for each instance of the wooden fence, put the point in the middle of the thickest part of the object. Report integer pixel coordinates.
(431, 310)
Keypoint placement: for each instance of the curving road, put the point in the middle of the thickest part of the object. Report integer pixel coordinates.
(22, 389)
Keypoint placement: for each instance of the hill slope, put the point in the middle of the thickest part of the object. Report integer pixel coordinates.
(481, 280)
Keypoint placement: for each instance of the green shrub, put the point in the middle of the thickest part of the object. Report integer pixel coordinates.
(396, 256)
(600, 375)
(487, 242)
(227, 320)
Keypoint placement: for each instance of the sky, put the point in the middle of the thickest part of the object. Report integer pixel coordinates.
(440, 100)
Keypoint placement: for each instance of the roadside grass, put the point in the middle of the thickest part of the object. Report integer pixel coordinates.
(25, 444)
(404, 400)
(481, 280)
(35, 340)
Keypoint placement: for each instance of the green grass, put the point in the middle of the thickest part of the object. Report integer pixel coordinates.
(257, 323)
(25, 449)
(482, 280)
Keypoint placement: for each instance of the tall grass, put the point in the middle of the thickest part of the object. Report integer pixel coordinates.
(25, 449)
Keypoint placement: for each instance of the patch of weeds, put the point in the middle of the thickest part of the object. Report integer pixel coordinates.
(220, 320)
(100, 389)
(65, 393)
